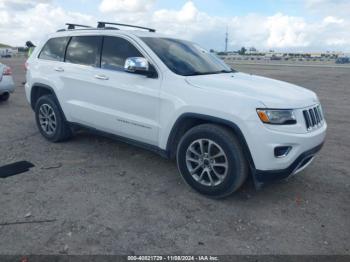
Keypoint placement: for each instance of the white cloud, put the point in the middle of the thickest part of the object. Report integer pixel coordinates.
(177, 22)
(333, 20)
(286, 31)
(279, 31)
(21, 4)
(35, 23)
(336, 42)
(109, 6)
(248, 31)
(187, 14)
(329, 7)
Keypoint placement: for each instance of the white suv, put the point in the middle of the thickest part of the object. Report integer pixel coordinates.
(175, 98)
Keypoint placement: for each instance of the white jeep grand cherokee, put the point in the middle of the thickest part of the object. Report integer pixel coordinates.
(173, 97)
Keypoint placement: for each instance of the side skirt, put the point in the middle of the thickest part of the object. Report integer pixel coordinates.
(163, 153)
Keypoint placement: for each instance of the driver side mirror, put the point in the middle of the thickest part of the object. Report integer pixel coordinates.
(139, 65)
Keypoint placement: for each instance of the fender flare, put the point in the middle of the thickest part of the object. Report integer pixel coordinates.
(215, 120)
(40, 85)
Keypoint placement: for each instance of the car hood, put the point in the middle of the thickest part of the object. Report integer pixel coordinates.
(272, 93)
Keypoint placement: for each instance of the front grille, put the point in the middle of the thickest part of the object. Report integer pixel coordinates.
(313, 117)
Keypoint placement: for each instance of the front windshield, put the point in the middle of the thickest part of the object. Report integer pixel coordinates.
(186, 58)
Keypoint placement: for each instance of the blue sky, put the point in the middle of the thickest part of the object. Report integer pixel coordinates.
(238, 7)
(296, 25)
(212, 7)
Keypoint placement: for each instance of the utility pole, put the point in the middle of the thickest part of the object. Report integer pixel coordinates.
(226, 40)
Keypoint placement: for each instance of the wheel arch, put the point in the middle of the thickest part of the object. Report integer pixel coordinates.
(189, 120)
(38, 90)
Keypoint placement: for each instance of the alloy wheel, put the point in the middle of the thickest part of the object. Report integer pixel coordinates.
(207, 162)
(47, 119)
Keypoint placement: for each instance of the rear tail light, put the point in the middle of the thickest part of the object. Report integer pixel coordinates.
(26, 65)
(7, 71)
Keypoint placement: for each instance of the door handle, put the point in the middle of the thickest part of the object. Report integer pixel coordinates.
(59, 69)
(101, 77)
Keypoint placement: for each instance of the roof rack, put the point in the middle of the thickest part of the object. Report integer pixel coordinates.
(73, 26)
(102, 25)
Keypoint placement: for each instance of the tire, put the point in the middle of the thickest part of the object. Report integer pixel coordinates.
(50, 120)
(4, 97)
(225, 166)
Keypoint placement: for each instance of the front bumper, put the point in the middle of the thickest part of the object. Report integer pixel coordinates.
(265, 176)
(262, 142)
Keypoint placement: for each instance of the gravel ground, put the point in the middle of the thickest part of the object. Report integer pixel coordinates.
(107, 197)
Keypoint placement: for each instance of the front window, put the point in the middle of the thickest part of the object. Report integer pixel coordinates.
(115, 51)
(186, 58)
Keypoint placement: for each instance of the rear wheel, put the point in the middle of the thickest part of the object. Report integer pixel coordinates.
(50, 120)
(211, 160)
(4, 97)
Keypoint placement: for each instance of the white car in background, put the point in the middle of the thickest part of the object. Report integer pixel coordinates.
(7, 84)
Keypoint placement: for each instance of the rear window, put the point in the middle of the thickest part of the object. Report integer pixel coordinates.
(84, 50)
(54, 49)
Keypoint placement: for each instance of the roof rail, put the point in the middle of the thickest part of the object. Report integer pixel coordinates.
(102, 25)
(73, 26)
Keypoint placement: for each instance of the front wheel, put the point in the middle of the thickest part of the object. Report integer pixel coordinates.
(211, 160)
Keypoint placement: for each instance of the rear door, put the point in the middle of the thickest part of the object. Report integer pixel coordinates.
(49, 67)
(78, 80)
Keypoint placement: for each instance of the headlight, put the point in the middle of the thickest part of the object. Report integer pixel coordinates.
(277, 116)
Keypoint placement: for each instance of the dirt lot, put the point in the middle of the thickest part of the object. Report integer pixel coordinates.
(111, 198)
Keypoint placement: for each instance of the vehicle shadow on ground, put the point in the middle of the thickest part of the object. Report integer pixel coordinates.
(248, 192)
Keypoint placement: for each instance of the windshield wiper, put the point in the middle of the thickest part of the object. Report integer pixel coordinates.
(211, 73)
(198, 73)
(227, 71)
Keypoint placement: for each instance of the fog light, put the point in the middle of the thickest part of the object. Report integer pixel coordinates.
(282, 151)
